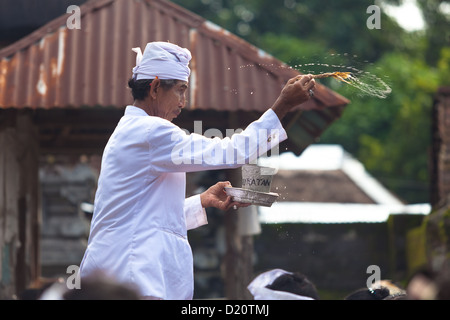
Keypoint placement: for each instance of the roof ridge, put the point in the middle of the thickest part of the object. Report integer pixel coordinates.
(56, 62)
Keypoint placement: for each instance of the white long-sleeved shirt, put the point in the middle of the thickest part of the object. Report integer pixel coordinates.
(141, 217)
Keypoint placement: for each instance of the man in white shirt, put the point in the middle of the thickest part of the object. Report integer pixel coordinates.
(141, 217)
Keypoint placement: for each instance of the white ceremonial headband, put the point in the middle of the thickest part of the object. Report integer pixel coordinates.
(163, 60)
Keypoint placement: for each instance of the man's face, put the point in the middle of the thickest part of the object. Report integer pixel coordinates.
(170, 102)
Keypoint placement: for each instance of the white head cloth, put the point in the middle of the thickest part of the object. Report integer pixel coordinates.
(163, 60)
(54, 292)
(259, 291)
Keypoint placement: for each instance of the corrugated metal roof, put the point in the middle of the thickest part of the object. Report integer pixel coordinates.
(60, 67)
(353, 179)
(314, 212)
(339, 190)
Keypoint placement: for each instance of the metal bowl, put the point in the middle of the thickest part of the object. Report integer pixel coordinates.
(250, 196)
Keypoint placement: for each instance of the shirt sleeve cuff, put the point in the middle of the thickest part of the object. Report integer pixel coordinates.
(194, 212)
(275, 124)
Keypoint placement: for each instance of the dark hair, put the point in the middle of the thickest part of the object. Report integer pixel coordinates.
(369, 294)
(99, 287)
(397, 296)
(141, 88)
(295, 283)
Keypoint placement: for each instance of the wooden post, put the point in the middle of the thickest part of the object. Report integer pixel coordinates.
(239, 252)
(19, 222)
(239, 249)
(28, 260)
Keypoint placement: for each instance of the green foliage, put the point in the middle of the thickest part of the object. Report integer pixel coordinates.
(391, 136)
(289, 49)
(438, 27)
(444, 67)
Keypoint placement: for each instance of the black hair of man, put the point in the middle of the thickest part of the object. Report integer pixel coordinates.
(369, 294)
(141, 88)
(296, 283)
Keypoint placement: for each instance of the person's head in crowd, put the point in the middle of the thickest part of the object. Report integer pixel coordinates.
(95, 287)
(422, 285)
(368, 294)
(279, 284)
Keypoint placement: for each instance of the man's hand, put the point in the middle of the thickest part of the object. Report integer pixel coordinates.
(216, 197)
(295, 92)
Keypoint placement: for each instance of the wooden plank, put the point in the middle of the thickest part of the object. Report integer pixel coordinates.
(2, 202)
(27, 264)
(11, 189)
(19, 237)
(239, 252)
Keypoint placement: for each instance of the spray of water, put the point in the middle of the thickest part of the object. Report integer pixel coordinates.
(367, 83)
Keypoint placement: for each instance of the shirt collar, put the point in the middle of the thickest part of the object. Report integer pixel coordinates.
(134, 111)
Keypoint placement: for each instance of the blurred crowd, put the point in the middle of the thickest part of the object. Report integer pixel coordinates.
(276, 284)
(422, 285)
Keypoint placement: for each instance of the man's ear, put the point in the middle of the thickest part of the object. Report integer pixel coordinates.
(154, 86)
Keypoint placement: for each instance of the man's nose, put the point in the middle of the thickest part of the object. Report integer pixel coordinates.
(183, 102)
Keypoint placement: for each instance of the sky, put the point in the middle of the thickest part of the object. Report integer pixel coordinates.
(408, 15)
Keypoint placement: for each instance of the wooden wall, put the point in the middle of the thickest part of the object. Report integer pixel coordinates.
(19, 202)
(440, 151)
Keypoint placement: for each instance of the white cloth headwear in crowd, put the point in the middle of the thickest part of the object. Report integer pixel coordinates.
(163, 60)
(54, 292)
(259, 291)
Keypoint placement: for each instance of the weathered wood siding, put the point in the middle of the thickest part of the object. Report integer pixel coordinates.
(19, 202)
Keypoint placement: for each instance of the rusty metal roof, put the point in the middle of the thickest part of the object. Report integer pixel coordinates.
(66, 70)
(60, 67)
